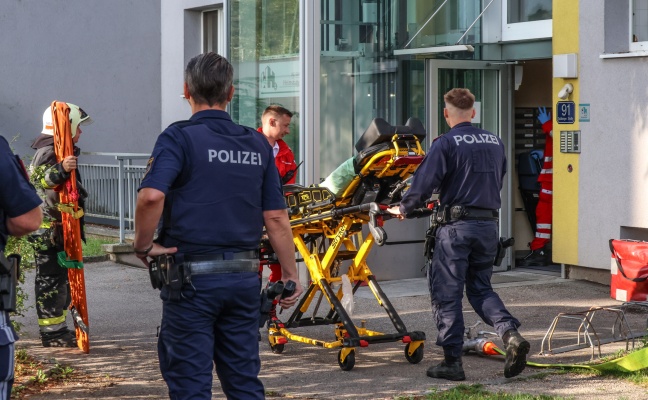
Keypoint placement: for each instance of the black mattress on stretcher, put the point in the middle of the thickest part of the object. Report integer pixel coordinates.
(380, 131)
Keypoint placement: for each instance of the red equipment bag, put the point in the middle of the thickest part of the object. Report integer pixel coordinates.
(629, 270)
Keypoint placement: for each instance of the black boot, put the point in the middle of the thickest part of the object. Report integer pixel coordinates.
(61, 338)
(517, 349)
(536, 258)
(450, 370)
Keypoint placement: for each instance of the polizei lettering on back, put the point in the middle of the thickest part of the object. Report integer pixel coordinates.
(476, 138)
(234, 157)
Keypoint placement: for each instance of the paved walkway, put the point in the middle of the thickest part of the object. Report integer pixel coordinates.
(125, 313)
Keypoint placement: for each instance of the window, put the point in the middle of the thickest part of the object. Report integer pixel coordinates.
(264, 51)
(625, 28)
(359, 77)
(212, 35)
(426, 23)
(528, 10)
(526, 19)
(639, 25)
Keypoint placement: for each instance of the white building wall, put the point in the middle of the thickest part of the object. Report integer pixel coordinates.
(101, 55)
(613, 176)
(181, 40)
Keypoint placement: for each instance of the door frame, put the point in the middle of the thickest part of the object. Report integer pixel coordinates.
(504, 129)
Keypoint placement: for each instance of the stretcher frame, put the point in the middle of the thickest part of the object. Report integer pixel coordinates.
(322, 221)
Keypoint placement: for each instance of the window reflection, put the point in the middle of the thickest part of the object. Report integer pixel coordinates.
(640, 20)
(528, 10)
(210, 31)
(264, 52)
(360, 77)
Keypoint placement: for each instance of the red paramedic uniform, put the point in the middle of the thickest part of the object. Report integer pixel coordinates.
(285, 162)
(543, 210)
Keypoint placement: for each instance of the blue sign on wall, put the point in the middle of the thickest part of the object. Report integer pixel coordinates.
(565, 112)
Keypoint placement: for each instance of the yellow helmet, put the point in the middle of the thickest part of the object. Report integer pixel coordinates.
(77, 117)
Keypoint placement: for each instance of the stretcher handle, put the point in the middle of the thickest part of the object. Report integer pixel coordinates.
(361, 208)
(374, 210)
(420, 213)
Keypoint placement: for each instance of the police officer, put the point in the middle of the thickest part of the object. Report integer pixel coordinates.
(20, 214)
(466, 167)
(216, 185)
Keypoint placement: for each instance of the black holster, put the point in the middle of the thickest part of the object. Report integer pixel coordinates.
(9, 270)
(502, 245)
(430, 240)
(165, 272)
(430, 234)
(158, 270)
(443, 214)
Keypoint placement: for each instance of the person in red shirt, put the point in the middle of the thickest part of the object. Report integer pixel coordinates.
(541, 245)
(275, 124)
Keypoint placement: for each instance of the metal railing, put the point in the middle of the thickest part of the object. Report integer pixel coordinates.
(112, 189)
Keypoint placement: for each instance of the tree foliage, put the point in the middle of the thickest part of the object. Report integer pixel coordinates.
(25, 246)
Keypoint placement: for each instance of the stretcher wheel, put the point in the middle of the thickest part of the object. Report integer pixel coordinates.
(276, 348)
(416, 357)
(349, 361)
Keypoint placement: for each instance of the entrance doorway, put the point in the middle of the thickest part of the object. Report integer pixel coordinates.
(507, 99)
(534, 91)
(489, 83)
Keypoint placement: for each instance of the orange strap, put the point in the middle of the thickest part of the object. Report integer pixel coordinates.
(69, 195)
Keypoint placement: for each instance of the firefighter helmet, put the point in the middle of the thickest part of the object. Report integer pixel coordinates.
(77, 117)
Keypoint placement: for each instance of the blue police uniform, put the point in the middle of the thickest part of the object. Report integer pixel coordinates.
(17, 197)
(218, 178)
(466, 167)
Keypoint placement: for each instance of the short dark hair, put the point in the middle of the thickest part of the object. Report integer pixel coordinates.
(460, 98)
(276, 111)
(209, 77)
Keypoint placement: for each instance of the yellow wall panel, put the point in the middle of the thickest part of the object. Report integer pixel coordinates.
(565, 184)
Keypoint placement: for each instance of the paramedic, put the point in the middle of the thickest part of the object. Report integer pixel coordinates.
(275, 124)
(20, 214)
(466, 166)
(541, 244)
(215, 185)
(52, 287)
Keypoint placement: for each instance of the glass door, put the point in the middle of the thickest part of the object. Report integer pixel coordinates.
(490, 84)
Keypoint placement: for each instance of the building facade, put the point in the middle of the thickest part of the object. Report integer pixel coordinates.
(600, 190)
(340, 63)
(102, 56)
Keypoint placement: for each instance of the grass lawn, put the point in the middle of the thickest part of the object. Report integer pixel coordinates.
(476, 392)
(92, 246)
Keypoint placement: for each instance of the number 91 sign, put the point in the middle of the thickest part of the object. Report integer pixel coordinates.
(565, 112)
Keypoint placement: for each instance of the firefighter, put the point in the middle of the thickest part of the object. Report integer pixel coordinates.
(52, 287)
(541, 244)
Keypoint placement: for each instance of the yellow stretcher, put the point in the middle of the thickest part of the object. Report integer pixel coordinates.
(327, 231)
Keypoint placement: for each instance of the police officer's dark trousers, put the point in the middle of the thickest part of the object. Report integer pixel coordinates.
(7, 359)
(52, 290)
(463, 256)
(216, 325)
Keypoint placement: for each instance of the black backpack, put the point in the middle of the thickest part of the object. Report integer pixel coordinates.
(529, 167)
